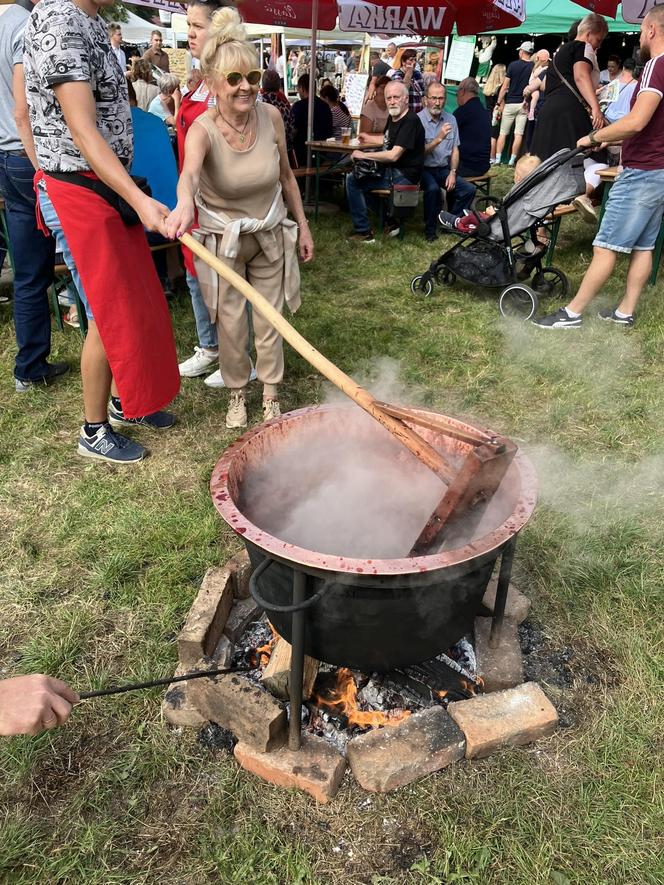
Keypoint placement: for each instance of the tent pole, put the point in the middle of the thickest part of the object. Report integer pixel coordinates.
(312, 95)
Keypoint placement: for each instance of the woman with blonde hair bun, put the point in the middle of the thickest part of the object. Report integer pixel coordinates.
(236, 174)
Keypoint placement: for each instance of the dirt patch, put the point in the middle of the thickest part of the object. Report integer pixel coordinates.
(569, 672)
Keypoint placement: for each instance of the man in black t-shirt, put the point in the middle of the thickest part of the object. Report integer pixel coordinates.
(510, 101)
(402, 159)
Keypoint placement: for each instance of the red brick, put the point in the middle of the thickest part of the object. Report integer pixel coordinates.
(177, 707)
(517, 606)
(391, 757)
(500, 667)
(241, 706)
(504, 718)
(317, 768)
(207, 617)
(244, 611)
(241, 570)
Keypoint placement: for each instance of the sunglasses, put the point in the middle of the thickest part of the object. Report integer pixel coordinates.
(234, 78)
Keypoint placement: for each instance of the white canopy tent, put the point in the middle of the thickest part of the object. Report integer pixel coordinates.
(137, 30)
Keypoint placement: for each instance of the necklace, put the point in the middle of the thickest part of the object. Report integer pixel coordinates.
(240, 132)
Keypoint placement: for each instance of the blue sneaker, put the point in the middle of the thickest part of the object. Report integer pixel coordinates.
(157, 420)
(107, 445)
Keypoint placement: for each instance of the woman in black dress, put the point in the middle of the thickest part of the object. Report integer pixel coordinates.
(571, 108)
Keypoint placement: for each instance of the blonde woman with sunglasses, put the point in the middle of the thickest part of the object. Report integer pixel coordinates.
(236, 174)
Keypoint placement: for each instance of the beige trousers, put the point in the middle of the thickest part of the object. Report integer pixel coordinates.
(233, 323)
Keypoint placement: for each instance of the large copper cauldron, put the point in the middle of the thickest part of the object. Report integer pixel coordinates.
(372, 615)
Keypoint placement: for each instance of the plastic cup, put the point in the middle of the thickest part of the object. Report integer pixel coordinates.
(345, 135)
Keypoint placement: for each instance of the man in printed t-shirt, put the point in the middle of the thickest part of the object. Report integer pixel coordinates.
(402, 158)
(83, 140)
(633, 215)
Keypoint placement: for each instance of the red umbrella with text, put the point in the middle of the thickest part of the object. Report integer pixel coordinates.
(609, 8)
(439, 19)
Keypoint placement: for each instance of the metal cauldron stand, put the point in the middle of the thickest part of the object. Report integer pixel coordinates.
(300, 603)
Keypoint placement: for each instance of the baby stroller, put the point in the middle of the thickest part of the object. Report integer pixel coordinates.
(503, 252)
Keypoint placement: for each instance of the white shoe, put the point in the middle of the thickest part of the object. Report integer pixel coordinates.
(271, 409)
(586, 209)
(236, 416)
(199, 363)
(216, 378)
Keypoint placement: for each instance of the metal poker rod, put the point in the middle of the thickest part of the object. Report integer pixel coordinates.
(153, 683)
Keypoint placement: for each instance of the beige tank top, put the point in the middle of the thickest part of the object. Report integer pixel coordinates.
(240, 183)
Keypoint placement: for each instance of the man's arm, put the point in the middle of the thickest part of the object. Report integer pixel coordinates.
(30, 704)
(503, 90)
(78, 106)
(443, 132)
(636, 121)
(390, 156)
(21, 116)
(450, 181)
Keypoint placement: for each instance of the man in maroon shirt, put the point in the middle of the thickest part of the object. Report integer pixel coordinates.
(633, 215)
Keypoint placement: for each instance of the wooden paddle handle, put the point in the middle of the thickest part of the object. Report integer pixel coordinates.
(412, 440)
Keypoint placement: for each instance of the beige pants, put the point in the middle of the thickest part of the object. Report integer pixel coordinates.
(233, 323)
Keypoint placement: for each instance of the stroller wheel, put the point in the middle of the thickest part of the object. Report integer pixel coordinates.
(518, 301)
(550, 282)
(420, 286)
(445, 277)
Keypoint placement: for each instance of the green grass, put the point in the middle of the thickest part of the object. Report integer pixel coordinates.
(100, 565)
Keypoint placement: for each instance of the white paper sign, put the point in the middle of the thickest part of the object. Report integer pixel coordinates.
(634, 11)
(356, 15)
(355, 85)
(460, 59)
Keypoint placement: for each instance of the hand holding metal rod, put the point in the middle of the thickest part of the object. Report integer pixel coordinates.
(165, 680)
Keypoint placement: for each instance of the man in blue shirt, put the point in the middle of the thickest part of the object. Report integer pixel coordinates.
(441, 162)
(474, 122)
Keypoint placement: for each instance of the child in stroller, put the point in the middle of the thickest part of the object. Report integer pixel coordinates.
(504, 247)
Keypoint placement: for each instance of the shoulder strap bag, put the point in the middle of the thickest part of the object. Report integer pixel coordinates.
(575, 92)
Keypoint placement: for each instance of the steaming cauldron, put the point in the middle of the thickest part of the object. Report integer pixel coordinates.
(372, 615)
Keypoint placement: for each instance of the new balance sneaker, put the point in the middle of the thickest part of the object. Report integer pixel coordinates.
(156, 421)
(366, 236)
(610, 315)
(236, 416)
(199, 363)
(271, 409)
(558, 320)
(53, 371)
(107, 445)
(216, 379)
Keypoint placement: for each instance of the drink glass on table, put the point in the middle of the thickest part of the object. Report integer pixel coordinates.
(345, 135)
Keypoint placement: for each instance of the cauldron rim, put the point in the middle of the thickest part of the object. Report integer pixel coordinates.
(324, 562)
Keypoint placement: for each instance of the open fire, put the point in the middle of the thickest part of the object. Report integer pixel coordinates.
(344, 703)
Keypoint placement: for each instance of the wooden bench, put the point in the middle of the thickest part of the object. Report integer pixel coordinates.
(307, 171)
(552, 222)
(482, 182)
(383, 194)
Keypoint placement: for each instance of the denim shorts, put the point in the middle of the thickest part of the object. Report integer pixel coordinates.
(53, 224)
(633, 214)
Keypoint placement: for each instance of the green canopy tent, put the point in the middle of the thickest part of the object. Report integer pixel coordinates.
(555, 17)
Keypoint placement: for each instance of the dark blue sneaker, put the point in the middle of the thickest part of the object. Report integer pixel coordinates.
(53, 372)
(157, 420)
(107, 445)
(610, 315)
(558, 320)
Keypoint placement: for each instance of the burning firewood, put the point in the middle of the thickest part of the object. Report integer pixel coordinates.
(277, 672)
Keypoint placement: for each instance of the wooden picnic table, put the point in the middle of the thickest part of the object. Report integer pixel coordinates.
(608, 176)
(335, 146)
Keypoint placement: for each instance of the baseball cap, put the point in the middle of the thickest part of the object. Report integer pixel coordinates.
(528, 47)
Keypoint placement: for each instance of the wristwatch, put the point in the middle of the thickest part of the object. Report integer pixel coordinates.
(591, 138)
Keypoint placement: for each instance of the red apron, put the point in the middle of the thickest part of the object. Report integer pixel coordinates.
(127, 301)
(190, 109)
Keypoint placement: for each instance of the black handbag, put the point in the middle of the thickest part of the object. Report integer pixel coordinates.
(365, 169)
(126, 212)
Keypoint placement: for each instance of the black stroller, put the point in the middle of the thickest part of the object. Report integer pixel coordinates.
(503, 252)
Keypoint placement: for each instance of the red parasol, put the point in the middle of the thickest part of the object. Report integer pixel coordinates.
(609, 8)
(388, 16)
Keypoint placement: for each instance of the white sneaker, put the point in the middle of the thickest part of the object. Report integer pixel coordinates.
(271, 409)
(216, 378)
(199, 363)
(236, 416)
(586, 209)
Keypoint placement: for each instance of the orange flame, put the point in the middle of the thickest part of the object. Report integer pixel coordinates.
(343, 699)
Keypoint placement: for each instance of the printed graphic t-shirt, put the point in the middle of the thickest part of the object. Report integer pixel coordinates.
(645, 150)
(64, 45)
